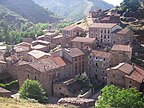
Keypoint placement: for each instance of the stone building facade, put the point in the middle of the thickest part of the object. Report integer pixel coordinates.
(103, 32)
(126, 76)
(98, 62)
(85, 44)
(123, 37)
(121, 53)
(46, 71)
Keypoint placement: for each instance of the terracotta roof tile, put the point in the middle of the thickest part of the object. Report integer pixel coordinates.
(137, 75)
(103, 25)
(101, 54)
(121, 48)
(74, 52)
(38, 54)
(83, 39)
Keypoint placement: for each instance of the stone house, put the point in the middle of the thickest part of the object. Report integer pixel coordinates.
(77, 58)
(57, 39)
(96, 13)
(103, 32)
(46, 71)
(49, 36)
(69, 33)
(98, 62)
(41, 45)
(21, 50)
(111, 17)
(67, 88)
(5, 93)
(72, 31)
(4, 75)
(121, 53)
(126, 76)
(123, 36)
(36, 55)
(85, 44)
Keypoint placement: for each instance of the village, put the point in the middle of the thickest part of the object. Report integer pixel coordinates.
(102, 52)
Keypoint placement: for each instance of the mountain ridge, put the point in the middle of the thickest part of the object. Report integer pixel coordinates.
(73, 9)
(30, 10)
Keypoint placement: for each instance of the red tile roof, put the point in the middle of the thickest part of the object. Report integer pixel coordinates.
(101, 54)
(123, 31)
(121, 48)
(103, 25)
(84, 40)
(137, 75)
(74, 52)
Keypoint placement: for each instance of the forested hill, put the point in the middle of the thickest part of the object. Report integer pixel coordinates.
(30, 10)
(73, 9)
(12, 19)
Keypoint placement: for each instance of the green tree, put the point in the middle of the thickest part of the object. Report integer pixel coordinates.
(114, 97)
(131, 5)
(32, 89)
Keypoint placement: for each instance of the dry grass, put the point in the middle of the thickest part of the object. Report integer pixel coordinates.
(12, 103)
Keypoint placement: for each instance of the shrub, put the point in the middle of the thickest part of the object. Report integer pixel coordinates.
(32, 89)
(11, 85)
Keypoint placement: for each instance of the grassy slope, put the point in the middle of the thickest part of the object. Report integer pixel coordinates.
(12, 103)
(30, 10)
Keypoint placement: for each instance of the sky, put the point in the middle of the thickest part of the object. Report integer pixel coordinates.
(114, 2)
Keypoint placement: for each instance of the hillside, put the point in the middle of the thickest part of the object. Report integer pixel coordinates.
(13, 103)
(73, 9)
(30, 10)
(11, 18)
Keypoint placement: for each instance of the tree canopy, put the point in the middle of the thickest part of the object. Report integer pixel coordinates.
(32, 89)
(114, 97)
(131, 5)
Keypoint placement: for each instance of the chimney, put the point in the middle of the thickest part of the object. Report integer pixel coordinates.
(133, 66)
(62, 52)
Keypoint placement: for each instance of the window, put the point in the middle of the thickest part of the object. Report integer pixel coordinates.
(35, 78)
(103, 71)
(113, 75)
(130, 82)
(28, 75)
(101, 40)
(104, 59)
(108, 31)
(104, 36)
(96, 64)
(101, 36)
(108, 36)
(96, 77)
(130, 86)
(75, 59)
(105, 31)
(101, 31)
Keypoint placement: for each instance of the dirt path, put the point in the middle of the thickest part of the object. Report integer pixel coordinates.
(88, 8)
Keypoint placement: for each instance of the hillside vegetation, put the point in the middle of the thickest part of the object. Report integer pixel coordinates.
(13, 103)
(11, 18)
(30, 10)
(73, 9)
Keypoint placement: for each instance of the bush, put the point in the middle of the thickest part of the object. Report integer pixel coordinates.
(11, 85)
(32, 89)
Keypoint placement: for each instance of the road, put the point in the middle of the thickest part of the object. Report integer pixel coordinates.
(88, 8)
